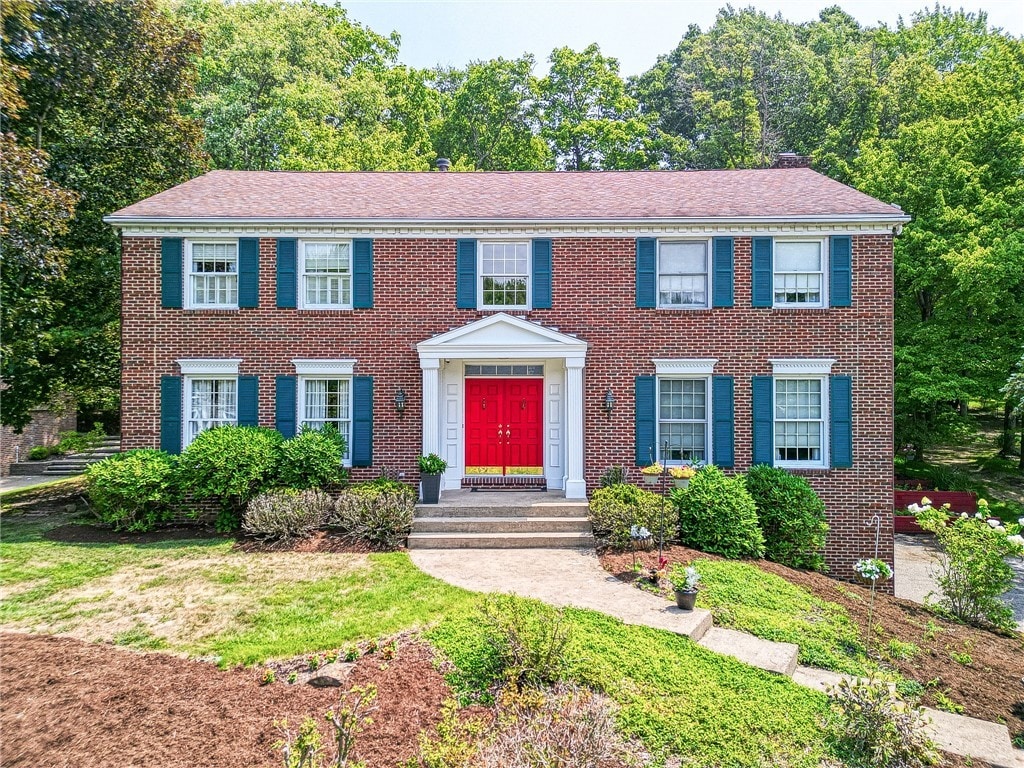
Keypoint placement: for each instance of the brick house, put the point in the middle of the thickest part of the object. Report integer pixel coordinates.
(531, 328)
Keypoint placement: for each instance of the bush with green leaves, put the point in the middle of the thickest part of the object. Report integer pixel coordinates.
(614, 510)
(878, 729)
(40, 452)
(791, 516)
(229, 465)
(973, 572)
(379, 513)
(717, 514)
(76, 442)
(527, 640)
(614, 475)
(286, 514)
(132, 491)
(312, 459)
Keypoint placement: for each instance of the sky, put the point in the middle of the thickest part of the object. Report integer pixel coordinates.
(455, 32)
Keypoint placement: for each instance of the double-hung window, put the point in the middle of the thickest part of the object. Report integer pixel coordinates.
(213, 275)
(799, 274)
(504, 275)
(326, 275)
(682, 420)
(209, 403)
(327, 400)
(800, 416)
(683, 274)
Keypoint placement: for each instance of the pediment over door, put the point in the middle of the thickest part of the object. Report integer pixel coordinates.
(502, 336)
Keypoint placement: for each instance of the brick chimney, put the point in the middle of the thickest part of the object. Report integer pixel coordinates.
(791, 160)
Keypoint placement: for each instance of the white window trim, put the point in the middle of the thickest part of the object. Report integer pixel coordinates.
(480, 276)
(797, 366)
(187, 274)
(339, 368)
(210, 372)
(693, 367)
(300, 399)
(826, 436)
(211, 367)
(709, 273)
(825, 272)
(708, 456)
(300, 270)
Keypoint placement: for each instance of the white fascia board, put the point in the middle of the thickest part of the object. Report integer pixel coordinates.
(193, 366)
(802, 365)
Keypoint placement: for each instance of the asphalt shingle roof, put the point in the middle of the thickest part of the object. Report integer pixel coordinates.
(435, 196)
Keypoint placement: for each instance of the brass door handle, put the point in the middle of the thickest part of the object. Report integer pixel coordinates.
(506, 434)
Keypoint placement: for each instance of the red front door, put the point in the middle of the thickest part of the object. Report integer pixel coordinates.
(504, 426)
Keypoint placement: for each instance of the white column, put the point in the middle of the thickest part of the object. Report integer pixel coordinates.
(431, 406)
(575, 485)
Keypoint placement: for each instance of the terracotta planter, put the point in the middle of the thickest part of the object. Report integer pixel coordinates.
(686, 599)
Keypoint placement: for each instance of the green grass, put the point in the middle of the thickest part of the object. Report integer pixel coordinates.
(744, 597)
(674, 696)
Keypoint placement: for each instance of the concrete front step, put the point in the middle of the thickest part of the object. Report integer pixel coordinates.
(780, 658)
(531, 540)
(520, 524)
(549, 509)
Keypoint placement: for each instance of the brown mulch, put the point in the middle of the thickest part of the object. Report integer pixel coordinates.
(70, 703)
(319, 541)
(990, 688)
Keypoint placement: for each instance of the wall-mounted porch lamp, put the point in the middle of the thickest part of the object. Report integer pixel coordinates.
(400, 401)
(609, 402)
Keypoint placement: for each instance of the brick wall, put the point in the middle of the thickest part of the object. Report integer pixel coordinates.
(593, 297)
(44, 429)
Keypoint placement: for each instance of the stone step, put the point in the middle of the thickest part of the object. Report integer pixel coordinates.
(542, 509)
(519, 524)
(780, 658)
(550, 540)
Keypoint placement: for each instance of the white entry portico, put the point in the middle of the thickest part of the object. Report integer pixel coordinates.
(505, 339)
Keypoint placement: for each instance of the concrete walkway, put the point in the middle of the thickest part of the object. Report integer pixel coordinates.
(12, 482)
(565, 577)
(916, 558)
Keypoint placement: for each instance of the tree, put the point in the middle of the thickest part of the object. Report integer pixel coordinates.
(489, 116)
(101, 88)
(587, 117)
(1014, 392)
(299, 86)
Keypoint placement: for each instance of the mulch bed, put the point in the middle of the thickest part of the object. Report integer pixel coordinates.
(69, 703)
(990, 688)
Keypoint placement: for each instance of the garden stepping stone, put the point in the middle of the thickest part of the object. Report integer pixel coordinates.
(975, 738)
(764, 654)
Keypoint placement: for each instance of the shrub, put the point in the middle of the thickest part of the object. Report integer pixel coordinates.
(617, 508)
(527, 639)
(379, 513)
(716, 514)
(132, 491)
(614, 476)
(76, 442)
(286, 514)
(230, 465)
(973, 571)
(312, 459)
(878, 728)
(40, 452)
(791, 516)
(431, 464)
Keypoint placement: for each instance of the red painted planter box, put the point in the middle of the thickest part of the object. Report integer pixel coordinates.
(959, 501)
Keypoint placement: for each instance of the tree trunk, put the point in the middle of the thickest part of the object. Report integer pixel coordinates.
(1007, 440)
(1020, 463)
(962, 405)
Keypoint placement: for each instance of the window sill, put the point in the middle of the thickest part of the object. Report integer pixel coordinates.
(322, 310)
(210, 310)
(811, 471)
(805, 310)
(510, 310)
(684, 309)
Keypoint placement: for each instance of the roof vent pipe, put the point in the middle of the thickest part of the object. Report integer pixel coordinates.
(443, 164)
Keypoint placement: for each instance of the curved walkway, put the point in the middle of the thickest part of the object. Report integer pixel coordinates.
(574, 577)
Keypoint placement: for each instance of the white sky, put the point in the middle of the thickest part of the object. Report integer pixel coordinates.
(455, 32)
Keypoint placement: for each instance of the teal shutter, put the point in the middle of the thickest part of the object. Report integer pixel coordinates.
(362, 421)
(248, 272)
(646, 415)
(171, 274)
(170, 414)
(362, 274)
(542, 274)
(287, 273)
(646, 272)
(722, 250)
(722, 428)
(764, 423)
(248, 401)
(840, 259)
(761, 277)
(284, 405)
(465, 274)
(840, 405)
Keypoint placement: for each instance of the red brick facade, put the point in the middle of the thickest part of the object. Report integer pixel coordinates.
(593, 296)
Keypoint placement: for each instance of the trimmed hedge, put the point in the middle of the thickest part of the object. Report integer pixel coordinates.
(132, 491)
(791, 515)
(716, 514)
(312, 458)
(617, 508)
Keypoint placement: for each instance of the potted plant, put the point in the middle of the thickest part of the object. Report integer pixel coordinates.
(681, 475)
(685, 583)
(652, 474)
(431, 466)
